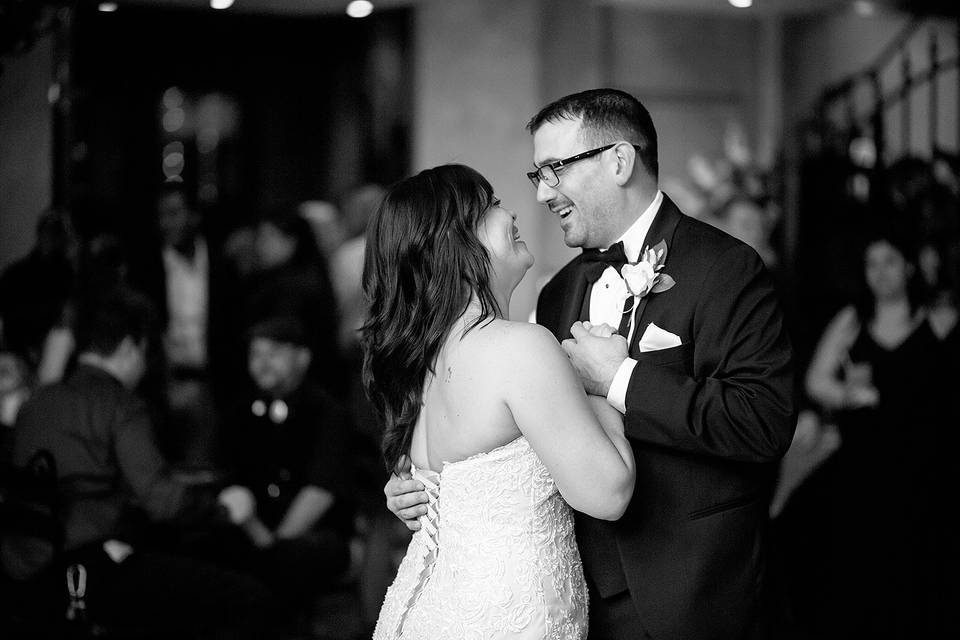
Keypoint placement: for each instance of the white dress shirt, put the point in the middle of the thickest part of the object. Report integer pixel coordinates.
(187, 305)
(606, 299)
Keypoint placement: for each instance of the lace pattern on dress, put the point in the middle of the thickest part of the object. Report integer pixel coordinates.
(498, 559)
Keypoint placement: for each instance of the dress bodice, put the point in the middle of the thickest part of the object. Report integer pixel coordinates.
(495, 556)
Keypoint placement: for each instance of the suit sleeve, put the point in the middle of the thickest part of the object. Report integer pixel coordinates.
(736, 400)
(146, 472)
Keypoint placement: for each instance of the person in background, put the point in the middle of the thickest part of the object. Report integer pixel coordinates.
(37, 299)
(879, 371)
(287, 443)
(325, 223)
(120, 499)
(14, 391)
(292, 279)
(183, 278)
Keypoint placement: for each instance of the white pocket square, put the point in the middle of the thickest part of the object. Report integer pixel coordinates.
(655, 339)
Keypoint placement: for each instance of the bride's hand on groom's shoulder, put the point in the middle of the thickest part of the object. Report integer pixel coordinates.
(406, 498)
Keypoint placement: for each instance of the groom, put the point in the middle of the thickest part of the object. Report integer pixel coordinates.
(700, 367)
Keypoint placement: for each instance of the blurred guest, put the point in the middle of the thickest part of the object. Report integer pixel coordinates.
(287, 443)
(346, 263)
(383, 539)
(239, 249)
(14, 391)
(183, 278)
(328, 229)
(292, 279)
(879, 369)
(36, 295)
(745, 220)
(115, 484)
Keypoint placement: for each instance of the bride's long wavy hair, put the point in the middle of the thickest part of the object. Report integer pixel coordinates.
(423, 265)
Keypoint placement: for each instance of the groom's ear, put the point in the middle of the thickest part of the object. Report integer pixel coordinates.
(626, 158)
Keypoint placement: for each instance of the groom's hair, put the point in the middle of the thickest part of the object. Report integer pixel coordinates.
(423, 264)
(606, 115)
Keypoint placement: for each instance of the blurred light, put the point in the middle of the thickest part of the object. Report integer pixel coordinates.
(173, 160)
(172, 98)
(107, 7)
(172, 164)
(221, 4)
(53, 93)
(863, 152)
(359, 8)
(173, 120)
(741, 4)
(864, 8)
(174, 147)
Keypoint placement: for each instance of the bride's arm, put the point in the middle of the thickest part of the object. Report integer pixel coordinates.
(611, 421)
(580, 441)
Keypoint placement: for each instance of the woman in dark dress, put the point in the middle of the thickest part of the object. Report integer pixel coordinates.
(882, 373)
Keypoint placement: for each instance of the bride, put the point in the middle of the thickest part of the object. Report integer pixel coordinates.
(491, 416)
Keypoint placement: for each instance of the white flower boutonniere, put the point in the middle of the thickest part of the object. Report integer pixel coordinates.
(646, 275)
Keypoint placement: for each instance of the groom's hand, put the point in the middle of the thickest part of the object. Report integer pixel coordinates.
(406, 498)
(596, 354)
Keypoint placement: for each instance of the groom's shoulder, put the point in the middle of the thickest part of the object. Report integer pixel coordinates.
(558, 284)
(702, 242)
(704, 236)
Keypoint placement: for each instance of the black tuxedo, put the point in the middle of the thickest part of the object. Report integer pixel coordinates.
(708, 422)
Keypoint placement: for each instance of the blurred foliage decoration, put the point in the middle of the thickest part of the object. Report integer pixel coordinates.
(23, 22)
(733, 192)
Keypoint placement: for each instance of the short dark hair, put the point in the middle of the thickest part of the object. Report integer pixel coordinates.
(606, 115)
(424, 261)
(113, 316)
(287, 329)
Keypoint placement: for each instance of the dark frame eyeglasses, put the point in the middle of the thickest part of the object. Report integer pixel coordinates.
(548, 172)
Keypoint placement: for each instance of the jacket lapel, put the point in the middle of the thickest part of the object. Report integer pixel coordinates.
(663, 227)
(572, 304)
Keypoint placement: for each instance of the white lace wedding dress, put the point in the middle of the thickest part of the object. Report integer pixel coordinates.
(495, 556)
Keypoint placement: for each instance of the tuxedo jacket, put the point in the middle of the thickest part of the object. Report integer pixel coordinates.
(708, 421)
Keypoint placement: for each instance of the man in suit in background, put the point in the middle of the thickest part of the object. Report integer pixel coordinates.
(123, 509)
(700, 366)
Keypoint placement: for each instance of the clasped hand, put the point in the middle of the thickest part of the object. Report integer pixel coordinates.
(596, 352)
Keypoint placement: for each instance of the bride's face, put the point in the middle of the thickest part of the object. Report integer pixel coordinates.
(499, 234)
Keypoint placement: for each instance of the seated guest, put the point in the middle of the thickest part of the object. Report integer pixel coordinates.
(287, 444)
(292, 280)
(116, 488)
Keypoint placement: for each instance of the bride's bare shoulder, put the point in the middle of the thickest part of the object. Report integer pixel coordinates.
(510, 338)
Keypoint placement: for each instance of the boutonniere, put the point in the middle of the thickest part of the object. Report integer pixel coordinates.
(646, 276)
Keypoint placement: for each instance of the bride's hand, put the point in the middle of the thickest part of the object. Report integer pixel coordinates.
(600, 330)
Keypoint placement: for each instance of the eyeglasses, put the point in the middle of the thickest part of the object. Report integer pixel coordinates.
(548, 172)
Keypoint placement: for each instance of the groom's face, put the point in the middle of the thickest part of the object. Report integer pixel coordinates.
(579, 201)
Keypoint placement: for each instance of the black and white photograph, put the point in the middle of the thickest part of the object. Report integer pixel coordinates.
(479, 319)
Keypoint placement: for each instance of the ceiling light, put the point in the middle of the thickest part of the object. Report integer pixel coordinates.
(359, 8)
(221, 4)
(107, 7)
(741, 4)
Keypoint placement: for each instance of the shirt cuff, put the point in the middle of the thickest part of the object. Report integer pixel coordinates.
(617, 395)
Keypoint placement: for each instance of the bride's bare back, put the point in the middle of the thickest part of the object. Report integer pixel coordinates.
(504, 379)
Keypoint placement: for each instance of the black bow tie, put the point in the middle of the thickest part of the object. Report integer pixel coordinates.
(595, 262)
